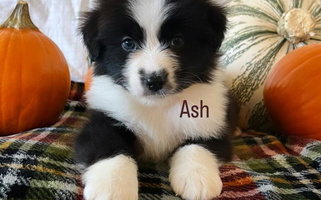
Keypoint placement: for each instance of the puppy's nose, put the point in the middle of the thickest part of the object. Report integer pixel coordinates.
(155, 81)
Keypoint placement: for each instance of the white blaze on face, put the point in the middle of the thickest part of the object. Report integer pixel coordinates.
(152, 56)
(150, 15)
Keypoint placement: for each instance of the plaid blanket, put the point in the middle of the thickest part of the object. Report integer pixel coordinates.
(38, 164)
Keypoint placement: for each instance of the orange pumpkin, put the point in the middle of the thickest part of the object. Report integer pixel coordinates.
(292, 92)
(34, 76)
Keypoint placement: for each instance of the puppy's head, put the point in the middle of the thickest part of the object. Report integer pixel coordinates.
(155, 47)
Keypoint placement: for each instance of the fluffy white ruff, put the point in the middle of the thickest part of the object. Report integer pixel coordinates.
(156, 121)
(110, 179)
(194, 173)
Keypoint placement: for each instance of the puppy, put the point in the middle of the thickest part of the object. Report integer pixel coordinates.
(157, 93)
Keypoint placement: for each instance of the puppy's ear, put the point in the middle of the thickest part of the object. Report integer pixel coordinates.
(90, 33)
(217, 21)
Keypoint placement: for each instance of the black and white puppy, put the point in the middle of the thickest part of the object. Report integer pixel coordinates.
(156, 93)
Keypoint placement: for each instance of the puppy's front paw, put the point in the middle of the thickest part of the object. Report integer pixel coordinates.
(110, 179)
(194, 174)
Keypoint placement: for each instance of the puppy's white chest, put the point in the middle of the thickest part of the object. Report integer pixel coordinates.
(159, 132)
(159, 123)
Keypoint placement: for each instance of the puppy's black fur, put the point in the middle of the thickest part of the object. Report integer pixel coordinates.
(202, 25)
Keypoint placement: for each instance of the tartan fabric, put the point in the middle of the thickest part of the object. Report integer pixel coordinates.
(273, 167)
(38, 164)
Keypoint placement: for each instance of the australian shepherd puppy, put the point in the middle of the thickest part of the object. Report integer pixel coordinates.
(157, 94)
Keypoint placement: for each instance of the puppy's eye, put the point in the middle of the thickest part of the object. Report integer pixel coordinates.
(128, 44)
(177, 41)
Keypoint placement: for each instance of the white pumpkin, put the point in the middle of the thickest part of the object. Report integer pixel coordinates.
(260, 33)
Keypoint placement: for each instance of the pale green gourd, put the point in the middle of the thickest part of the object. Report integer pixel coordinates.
(259, 35)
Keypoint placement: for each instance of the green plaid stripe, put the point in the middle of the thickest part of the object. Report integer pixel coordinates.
(39, 164)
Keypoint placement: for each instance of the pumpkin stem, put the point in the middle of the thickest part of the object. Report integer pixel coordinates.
(19, 18)
(296, 25)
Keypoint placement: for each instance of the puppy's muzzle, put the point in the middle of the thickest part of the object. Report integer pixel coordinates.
(154, 81)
